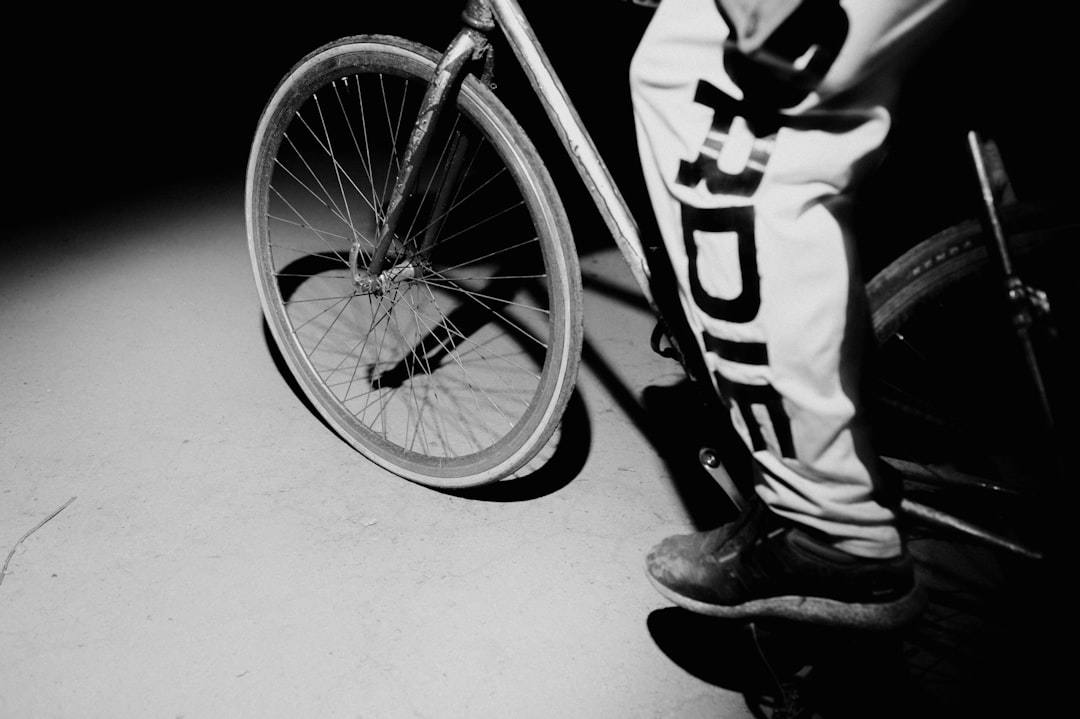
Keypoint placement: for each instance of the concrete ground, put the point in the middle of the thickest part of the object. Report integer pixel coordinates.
(224, 554)
(220, 553)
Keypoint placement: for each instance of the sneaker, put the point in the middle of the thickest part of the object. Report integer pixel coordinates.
(763, 566)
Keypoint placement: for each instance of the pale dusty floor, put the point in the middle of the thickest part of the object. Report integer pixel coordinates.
(226, 555)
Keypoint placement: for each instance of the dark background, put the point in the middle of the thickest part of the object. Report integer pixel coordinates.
(103, 108)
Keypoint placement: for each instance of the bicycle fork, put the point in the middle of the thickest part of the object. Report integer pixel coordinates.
(469, 44)
(1027, 304)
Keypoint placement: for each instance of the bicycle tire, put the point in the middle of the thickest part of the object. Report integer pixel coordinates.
(985, 492)
(944, 412)
(455, 372)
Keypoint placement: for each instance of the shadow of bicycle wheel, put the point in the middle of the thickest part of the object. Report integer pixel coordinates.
(561, 461)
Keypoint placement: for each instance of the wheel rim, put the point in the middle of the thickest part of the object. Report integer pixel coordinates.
(444, 367)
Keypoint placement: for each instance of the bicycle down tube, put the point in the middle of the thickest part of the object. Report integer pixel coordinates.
(594, 172)
(575, 138)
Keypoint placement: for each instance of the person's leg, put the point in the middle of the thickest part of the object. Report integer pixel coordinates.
(749, 163)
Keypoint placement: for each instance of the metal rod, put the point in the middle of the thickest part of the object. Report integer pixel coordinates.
(989, 206)
(1018, 294)
(947, 476)
(438, 93)
(942, 519)
(575, 138)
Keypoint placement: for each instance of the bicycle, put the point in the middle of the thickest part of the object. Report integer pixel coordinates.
(426, 293)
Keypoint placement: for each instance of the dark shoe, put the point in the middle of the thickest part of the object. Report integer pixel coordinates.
(762, 566)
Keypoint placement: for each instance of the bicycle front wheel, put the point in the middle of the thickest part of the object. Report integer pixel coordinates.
(952, 401)
(454, 367)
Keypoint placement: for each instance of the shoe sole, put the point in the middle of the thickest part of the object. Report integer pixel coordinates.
(813, 610)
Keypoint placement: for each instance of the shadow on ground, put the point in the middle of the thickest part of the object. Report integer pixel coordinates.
(983, 647)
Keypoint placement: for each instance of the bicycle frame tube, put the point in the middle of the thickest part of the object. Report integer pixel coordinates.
(1020, 296)
(575, 138)
(594, 172)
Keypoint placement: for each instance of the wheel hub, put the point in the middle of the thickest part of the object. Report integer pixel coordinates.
(402, 268)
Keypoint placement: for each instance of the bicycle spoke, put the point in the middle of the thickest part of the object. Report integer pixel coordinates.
(490, 217)
(439, 363)
(455, 287)
(325, 197)
(304, 223)
(338, 170)
(493, 254)
(393, 128)
(479, 299)
(322, 234)
(457, 358)
(365, 165)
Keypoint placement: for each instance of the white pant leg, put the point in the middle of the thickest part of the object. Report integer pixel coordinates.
(750, 201)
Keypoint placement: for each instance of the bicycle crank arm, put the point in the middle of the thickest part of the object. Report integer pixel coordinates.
(710, 461)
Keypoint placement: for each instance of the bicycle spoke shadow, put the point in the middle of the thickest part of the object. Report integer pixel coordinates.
(568, 451)
(562, 459)
(677, 444)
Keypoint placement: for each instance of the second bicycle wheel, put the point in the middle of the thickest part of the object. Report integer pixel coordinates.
(953, 406)
(987, 500)
(453, 369)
